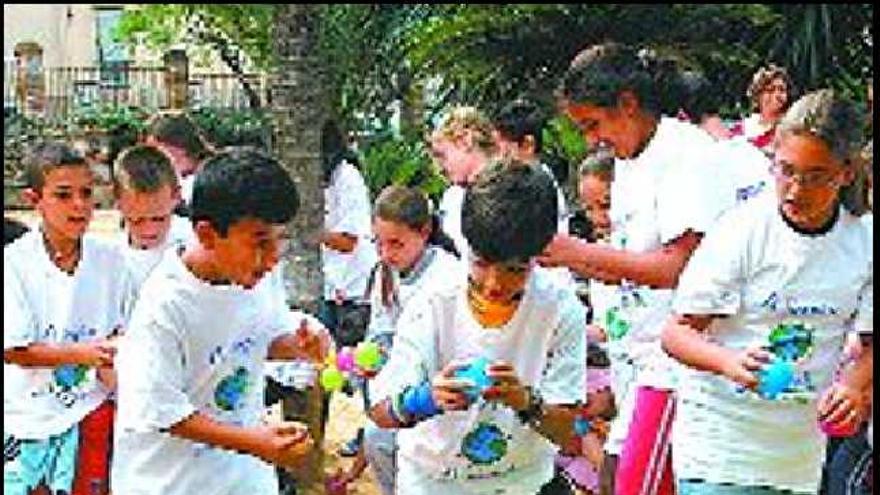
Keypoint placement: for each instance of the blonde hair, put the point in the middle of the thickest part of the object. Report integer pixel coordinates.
(827, 116)
(763, 78)
(462, 121)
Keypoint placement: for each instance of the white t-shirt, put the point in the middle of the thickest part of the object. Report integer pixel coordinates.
(142, 261)
(193, 347)
(666, 190)
(545, 342)
(435, 269)
(746, 168)
(758, 272)
(562, 206)
(450, 218)
(347, 210)
(186, 188)
(41, 303)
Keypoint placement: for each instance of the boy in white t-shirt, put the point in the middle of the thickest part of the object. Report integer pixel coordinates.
(147, 191)
(65, 296)
(778, 281)
(191, 366)
(492, 432)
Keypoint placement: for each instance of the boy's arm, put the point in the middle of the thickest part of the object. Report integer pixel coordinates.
(684, 339)
(46, 355)
(310, 341)
(659, 268)
(282, 444)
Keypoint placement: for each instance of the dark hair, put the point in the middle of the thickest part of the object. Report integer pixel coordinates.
(12, 230)
(519, 119)
(412, 208)
(600, 73)
(698, 96)
(45, 156)
(142, 169)
(510, 212)
(179, 131)
(241, 183)
(334, 150)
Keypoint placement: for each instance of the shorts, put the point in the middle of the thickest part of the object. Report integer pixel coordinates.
(700, 487)
(645, 463)
(28, 463)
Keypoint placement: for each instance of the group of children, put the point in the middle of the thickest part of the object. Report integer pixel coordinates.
(707, 267)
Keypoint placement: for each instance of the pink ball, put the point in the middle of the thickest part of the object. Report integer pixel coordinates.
(345, 360)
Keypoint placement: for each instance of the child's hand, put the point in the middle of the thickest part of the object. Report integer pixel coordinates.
(563, 250)
(313, 342)
(284, 444)
(592, 447)
(742, 366)
(842, 406)
(447, 391)
(596, 333)
(107, 376)
(506, 387)
(96, 353)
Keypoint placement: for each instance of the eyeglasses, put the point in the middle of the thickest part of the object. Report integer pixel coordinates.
(807, 179)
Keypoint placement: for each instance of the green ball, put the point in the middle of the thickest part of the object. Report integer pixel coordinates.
(332, 379)
(368, 356)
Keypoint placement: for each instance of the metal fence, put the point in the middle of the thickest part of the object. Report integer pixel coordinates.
(64, 89)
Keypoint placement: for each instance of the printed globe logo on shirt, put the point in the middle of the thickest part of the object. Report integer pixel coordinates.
(67, 379)
(791, 343)
(231, 390)
(485, 444)
(617, 318)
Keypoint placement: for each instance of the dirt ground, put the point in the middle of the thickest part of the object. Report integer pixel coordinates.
(346, 413)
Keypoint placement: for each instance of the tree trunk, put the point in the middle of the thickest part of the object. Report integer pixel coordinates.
(298, 112)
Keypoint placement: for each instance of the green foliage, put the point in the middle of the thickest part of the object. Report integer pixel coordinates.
(392, 160)
(233, 127)
(563, 139)
(490, 54)
(109, 118)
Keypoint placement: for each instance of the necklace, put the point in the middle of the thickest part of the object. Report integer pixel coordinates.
(66, 260)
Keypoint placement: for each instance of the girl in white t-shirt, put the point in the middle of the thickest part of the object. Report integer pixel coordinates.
(791, 268)
(662, 200)
(461, 145)
(494, 429)
(415, 257)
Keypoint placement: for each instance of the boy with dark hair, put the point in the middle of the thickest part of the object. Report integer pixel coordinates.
(176, 135)
(519, 128)
(65, 296)
(191, 366)
(523, 324)
(147, 191)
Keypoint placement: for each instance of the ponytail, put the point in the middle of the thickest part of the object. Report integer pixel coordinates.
(440, 238)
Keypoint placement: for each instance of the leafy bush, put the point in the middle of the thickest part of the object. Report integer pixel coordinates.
(233, 127)
(389, 160)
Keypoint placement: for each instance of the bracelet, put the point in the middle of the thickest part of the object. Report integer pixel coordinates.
(413, 405)
(533, 413)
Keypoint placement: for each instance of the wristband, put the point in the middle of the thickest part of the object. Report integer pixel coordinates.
(533, 413)
(414, 404)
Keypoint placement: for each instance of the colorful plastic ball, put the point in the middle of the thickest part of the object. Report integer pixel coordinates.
(332, 379)
(345, 360)
(368, 356)
(775, 378)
